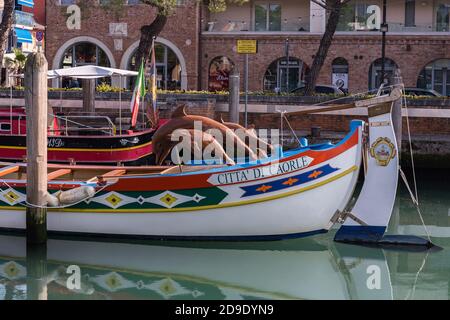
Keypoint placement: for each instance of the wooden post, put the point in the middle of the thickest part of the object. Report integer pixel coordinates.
(36, 110)
(233, 101)
(88, 95)
(37, 272)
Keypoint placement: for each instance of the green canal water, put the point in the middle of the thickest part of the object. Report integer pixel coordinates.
(310, 268)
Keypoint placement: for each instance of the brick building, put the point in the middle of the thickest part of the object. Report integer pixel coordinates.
(197, 48)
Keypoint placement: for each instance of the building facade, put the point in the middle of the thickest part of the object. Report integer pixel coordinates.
(197, 48)
(23, 33)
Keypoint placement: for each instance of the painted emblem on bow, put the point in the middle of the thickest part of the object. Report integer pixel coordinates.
(383, 150)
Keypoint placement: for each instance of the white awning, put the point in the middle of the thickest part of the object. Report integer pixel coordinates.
(90, 72)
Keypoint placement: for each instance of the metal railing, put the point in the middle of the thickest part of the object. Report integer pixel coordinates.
(285, 25)
(110, 129)
(296, 25)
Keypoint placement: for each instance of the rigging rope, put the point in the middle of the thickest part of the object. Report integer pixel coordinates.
(412, 291)
(415, 196)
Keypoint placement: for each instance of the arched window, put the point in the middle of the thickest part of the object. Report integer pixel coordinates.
(436, 75)
(339, 73)
(219, 72)
(80, 54)
(375, 72)
(167, 65)
(282, 76)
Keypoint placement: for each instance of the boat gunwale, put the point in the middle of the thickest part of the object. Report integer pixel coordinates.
(293, 154)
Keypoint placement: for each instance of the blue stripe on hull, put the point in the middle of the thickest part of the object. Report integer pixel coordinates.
(163, 237)
(289, 182)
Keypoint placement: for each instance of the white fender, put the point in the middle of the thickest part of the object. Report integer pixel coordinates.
(75, 195)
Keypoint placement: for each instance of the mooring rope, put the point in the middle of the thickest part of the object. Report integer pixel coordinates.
(415, 196)
(290, 127)
(410, 148)
(27, 204)
(412, 291)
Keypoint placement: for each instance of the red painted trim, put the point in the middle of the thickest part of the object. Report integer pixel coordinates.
(107, 156)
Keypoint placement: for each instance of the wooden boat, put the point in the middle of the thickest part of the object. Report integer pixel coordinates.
(304, 191)
(79, 138)
(101, 145)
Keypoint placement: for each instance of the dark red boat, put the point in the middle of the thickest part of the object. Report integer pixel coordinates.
(69, 143)
(83, 138)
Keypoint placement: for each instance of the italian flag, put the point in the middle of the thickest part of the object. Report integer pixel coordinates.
(139, 91)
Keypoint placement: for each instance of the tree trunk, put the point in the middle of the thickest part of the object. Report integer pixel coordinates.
(147, 34)
(5, 26)
(325, 44)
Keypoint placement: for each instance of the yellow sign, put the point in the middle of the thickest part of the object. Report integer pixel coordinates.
(247, 46)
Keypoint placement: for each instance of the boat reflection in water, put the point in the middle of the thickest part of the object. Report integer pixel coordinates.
(315, 268)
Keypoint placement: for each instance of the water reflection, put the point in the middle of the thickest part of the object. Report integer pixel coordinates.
(315, 268)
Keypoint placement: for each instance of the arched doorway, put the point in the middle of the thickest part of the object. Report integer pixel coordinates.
(81, 54)
(282, 76)
(167, 65)
(436, 75)
(219, 72)
(375, 72)
(80, 51)
(339, 73)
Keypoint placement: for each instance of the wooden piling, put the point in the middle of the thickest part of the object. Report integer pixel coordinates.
(36, 110)
(37, 277)
(88, 95)
(233, 101)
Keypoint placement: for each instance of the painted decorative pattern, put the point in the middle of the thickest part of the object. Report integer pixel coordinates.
(288, 182)
(133, 200)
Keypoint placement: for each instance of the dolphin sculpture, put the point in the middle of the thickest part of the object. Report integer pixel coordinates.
(250, 133)
(181, 120)
(206, 141)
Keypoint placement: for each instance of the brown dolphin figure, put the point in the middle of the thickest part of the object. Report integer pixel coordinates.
(181, 120)
(204, 140)
(250, 132)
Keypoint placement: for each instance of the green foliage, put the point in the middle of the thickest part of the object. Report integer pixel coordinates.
(17, 64)
(104, 87)
(414, 97)
(221, 5)
(165, 7)
(113, 7)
